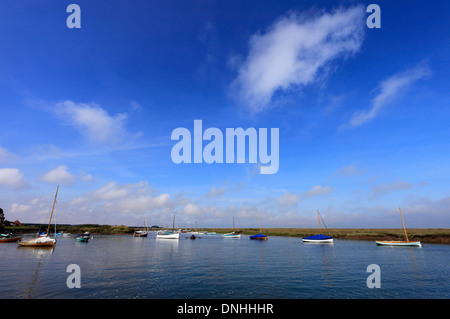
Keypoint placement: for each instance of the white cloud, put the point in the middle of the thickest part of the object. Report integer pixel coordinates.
(288, 199)
(58, 175)
(318, 191)
(61, 176)
(389, 89)
(12, 178)
(295, 51)
(94, 122)
(119, 200)
(19, 208)
(191, 209)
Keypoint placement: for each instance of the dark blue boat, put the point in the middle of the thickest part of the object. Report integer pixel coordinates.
(318, 239)
(259, 237)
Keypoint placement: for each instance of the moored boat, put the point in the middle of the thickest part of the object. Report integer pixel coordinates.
(259, 236)
(42, 241)
(233, 234)
(84, 237)
(8, 238)
(320, 238)
(141, 233)
(38, 242)
(167, 234)
(399, 242)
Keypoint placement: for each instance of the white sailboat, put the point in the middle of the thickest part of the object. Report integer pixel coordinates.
(167, 234)
(233, 234)
(399, 242)
(45, 241)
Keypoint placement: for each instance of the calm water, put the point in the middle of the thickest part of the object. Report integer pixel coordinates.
(213, 267)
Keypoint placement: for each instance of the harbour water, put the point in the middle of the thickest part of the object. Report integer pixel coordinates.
(212, 267)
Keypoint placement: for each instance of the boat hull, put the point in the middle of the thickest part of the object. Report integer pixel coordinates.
(38, 242)
(82, 240)
(398, 243)
(140, 235)
(168, 236)
(232, 235)
(9, 240)
(259, 237)
(318, 241)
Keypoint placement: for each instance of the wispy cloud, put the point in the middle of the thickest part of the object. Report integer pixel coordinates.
(94, 122)
(293, 52)
(382, 189)
(351, 170)
(6, 156)
(215, 192)
(389, 89)
(291, 199)
(318, 191)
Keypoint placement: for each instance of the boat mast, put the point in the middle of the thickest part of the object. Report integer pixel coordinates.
(318, 217)
(54, 201)
(403, 225)
(260, 231)
(173, 224)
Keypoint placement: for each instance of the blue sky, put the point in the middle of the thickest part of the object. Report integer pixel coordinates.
(362, 113)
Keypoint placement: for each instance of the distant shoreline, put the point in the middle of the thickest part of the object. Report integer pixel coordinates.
(425, 235)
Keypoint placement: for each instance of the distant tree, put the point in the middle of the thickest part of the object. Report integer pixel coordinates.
(2, 220)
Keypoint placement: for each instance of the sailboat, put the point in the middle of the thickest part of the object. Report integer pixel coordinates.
(8, 238)
(259, 236)
(141, 233)
(233, 234)
(320, 238)
(399, 242)
(84, 238)
(45, 241)
(167, 234)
